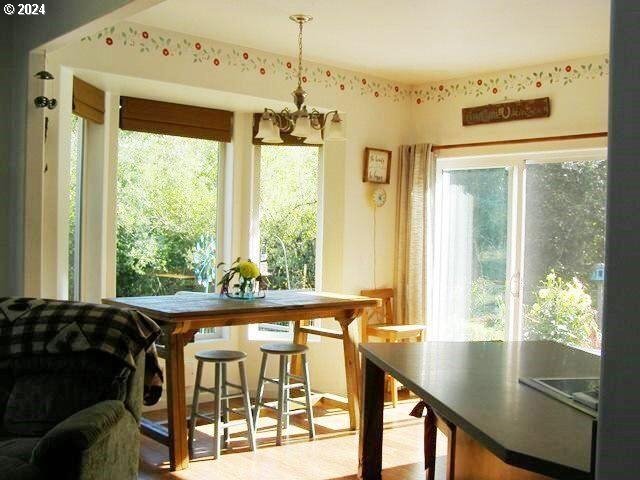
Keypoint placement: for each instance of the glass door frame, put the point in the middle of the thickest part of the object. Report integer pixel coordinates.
(516, 164)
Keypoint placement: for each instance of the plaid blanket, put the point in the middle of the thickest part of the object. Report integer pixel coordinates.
(31, 326)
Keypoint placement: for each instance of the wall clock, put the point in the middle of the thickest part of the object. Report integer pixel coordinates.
(379, 197)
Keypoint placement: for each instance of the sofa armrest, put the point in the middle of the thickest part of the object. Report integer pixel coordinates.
(65, 443)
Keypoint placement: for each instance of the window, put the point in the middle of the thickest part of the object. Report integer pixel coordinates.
(564, 251)
(75, 205)
(520, 248)
(473, 240)
(166, 215)
(288, 193)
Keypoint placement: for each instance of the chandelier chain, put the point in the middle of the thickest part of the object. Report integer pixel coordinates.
(300, 54)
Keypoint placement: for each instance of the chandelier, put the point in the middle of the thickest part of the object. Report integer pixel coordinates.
(300, 123)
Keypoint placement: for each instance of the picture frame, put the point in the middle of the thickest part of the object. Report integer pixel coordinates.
(377, 165)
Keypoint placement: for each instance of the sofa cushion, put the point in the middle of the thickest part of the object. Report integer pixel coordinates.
(18, 447)
(16, 469)
(48, 389)
(6, 385)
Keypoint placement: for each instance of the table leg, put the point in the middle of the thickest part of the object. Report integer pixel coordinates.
(300, 338)
(372, 425)
(352, 369)
(176, 403)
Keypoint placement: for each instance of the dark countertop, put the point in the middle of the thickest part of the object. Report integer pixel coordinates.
(475, 386)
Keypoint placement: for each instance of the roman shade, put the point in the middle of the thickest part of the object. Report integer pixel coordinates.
(88, 101)
(288, 140)
(152, 116)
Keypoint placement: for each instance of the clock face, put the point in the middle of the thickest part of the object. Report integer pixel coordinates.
(379, 197)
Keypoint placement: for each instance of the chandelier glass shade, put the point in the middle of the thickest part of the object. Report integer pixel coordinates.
(301, 123)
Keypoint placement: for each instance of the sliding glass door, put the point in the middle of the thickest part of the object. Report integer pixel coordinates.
(519, 248)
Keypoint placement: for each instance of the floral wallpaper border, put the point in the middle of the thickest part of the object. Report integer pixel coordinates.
(515, 81)
(215, 55)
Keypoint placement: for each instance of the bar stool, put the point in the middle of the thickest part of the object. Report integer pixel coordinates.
(220, 416)
(285, 351)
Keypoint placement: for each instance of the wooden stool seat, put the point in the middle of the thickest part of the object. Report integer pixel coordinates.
(220, 356)
(394, 332)
(283, 348)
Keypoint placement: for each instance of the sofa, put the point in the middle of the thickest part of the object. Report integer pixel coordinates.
(73, 415)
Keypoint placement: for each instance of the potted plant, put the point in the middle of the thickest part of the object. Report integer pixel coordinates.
(250, 281)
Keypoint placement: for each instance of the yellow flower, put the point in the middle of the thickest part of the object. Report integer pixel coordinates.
(248, 270)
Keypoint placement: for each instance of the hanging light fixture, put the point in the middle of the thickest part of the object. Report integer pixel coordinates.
(301, 123)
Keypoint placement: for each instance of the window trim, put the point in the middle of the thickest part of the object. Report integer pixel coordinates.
(79, 211)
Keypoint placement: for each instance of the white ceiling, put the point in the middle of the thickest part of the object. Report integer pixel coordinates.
(411, 41)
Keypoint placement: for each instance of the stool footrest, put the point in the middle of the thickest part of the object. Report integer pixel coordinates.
(290, 412)
(228, 424)
(222, 397)
(289, 386)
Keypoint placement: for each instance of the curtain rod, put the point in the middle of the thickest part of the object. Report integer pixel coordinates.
(520, 140)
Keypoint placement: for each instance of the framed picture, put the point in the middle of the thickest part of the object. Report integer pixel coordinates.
(377, 165)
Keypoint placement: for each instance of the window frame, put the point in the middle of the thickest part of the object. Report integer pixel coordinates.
(79, 210)
(254, 333)
(516, 163)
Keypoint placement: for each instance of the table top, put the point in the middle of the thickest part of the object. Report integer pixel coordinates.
(280, 302)
(475, 386)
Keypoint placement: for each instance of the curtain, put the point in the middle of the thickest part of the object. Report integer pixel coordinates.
(414, 236)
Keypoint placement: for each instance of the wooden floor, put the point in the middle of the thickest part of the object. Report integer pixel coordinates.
(332, 456)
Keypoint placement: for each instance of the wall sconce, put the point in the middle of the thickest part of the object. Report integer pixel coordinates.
(42, 101)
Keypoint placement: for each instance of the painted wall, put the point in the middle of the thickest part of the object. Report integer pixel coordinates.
(578, 90)
(20, 35)
(348, 216)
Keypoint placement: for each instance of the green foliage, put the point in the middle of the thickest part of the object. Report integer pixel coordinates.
(565, 221)
(203, 259)
(167, 199)
(487, 303)
(562, 312)
(489, 189)
(288, 214)
(167, 202)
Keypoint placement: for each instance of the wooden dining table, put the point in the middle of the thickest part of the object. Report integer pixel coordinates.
(181, 316)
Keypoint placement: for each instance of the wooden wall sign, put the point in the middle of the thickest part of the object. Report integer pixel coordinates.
(506, 112)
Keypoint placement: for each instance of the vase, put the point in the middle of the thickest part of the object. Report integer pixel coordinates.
(247, 288)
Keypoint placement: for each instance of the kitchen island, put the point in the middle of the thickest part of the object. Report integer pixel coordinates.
(498, 427)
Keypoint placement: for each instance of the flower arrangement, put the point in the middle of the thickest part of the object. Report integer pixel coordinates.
(250, 282)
